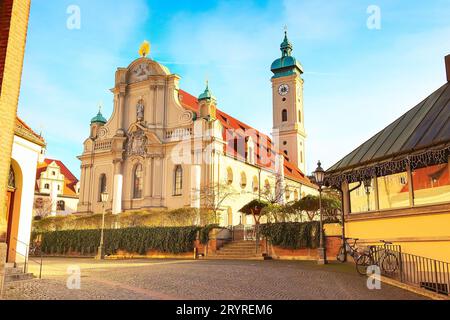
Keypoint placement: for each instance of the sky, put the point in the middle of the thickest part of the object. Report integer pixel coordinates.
(358, 79)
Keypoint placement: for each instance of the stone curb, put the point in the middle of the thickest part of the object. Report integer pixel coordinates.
(422, 292)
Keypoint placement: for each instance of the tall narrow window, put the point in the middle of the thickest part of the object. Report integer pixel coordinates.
(138, 182)
(284, 115)
(101, 186)
(178, 181)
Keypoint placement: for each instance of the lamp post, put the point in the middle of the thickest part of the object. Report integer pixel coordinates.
(368, 186)
(319, 176)
(101, 248)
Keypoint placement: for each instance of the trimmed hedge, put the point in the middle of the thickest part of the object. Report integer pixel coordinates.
(138, 240)
(292, 235)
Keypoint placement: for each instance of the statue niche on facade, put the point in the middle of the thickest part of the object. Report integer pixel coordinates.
(140, 111)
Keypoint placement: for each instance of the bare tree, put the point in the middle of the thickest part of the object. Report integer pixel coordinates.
(275, 194)
(214, 196)
(42, 207)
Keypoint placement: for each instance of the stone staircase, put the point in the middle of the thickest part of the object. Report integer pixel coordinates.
(13, 273)
(238, 250)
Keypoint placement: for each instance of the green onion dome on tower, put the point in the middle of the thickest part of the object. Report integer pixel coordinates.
(99, 118)
(287, 64)
(207, 94)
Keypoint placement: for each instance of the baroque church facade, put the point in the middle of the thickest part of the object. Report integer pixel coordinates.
(162, 146)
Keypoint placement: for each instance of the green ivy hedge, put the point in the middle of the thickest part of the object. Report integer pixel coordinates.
(292, 235)
(134, 240)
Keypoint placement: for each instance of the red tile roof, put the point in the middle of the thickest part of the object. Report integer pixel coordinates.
(70, 180)
(24, 131)
(237, 134)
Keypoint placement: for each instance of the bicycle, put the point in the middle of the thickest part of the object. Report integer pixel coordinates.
(360, 258)
(384, 258)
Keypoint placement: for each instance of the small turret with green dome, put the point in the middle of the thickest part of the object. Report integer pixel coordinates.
(207, 94)
(287, 64)
(99, 118)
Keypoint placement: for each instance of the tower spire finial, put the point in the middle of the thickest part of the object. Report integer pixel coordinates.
(144, 49)
(286, 45)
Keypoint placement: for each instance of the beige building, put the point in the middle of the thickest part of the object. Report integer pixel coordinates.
(56, 190)
(162, 147)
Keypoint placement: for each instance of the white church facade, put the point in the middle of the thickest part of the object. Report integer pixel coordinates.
(162, 146)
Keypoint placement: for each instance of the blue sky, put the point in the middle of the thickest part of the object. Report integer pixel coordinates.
(357, 80)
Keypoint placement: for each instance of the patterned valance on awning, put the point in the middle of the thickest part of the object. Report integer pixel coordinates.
(400, 164)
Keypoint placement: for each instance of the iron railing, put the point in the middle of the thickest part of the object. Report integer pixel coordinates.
(27, 258)
(246, 233)
(426, 273)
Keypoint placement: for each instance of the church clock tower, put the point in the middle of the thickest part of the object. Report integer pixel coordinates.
(288, 119)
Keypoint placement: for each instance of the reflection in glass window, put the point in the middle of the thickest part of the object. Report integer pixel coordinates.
(393, 191)
(431, 184)
(362, 199)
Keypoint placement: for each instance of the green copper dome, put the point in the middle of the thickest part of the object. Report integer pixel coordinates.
(99, 118)
(287, 64)
(207, 94)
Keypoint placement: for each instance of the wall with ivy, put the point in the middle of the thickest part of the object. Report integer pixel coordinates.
(138, 240)
(292, 235)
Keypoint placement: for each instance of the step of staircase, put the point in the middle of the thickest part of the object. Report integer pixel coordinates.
(238, 250)
(13, 274)
(215, 257)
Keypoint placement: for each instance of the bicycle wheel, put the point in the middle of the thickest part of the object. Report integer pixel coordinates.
(341, 255)
(362, 263)
(389, 264)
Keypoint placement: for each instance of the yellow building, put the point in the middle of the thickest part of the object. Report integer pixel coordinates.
(13, 30)
(165, 148)
(396, 185)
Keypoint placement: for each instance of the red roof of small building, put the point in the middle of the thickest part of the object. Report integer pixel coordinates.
(237, 133)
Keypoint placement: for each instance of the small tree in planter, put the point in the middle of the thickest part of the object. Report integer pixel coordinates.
(255, 208)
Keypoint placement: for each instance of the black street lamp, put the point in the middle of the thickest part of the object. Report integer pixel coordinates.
(319, 176)
(101, 249)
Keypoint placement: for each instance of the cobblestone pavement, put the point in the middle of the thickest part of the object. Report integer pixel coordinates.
(199, 280)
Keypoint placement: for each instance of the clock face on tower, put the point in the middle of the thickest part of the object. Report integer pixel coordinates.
(283, 89)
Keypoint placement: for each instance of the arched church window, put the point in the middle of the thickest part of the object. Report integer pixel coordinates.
(178, 181)
(284, 115)
(101, 186)
(12, 178)
(255, 184)
(46, 186)
(229, 176)
(60, 205)
(137, 181)
(299, 116)
(243, 180)
(267, 187)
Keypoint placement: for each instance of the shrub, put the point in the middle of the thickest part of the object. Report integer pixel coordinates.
(155, 218)
(205, 231)
(138, 240)
(292, 235)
